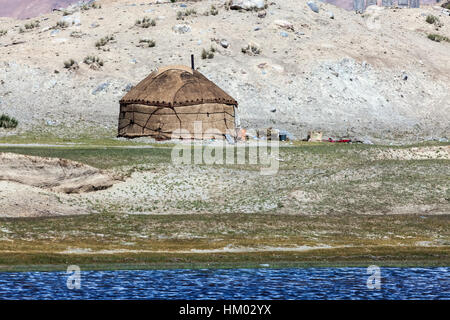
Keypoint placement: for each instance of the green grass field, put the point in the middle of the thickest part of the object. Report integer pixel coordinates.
(329, 205)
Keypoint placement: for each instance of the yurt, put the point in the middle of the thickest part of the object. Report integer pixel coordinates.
(177, 102)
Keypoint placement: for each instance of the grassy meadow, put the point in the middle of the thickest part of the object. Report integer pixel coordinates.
(328, 205)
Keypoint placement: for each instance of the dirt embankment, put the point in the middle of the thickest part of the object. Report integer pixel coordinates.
(34, 186)
(59, 175)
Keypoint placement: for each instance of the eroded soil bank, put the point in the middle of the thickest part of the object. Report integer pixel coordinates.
(33, 186)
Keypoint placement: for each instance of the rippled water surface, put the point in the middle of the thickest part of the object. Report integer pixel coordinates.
(310, 283)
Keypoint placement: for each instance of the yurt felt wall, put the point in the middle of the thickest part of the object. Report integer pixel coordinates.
(203, 121)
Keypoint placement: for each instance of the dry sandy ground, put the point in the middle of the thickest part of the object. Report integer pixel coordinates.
(33, 186)
(374, 76)
(19, 201)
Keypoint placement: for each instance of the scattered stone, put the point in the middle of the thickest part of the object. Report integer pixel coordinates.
(181, 28)
(404, 76)
(313, 6)
(248, 4)
(224, 43)
(330, 14)
(262, 14)
(101, 87)
(284, 34)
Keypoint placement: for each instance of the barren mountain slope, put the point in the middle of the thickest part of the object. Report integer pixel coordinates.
(375, 75)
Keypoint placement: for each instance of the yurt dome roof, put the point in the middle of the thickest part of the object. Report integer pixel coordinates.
(173, 86)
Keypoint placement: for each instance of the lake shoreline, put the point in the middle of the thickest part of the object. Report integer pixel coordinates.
(216, 266)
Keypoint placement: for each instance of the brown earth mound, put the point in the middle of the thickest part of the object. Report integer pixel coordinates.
(21, 201)
(58, 175)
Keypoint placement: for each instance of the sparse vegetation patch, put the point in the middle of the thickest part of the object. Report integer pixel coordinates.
(94, 62)
(146, 43)
(61, 25)
(32, 25)
(76, 34)
(438, 38)
(29, 26)
(93, 5)
(431, 19)
(183, 14)
(104, 41)
(251, 49)
(8, 122)
(145, 23)
(208, 54)
(71, 64)
(212, 11)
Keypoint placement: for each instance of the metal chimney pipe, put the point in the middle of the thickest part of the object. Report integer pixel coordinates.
(192, 62)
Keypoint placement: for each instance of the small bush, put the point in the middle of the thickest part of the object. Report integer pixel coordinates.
(147, 43)
(3, 33)
(93, 5)
(182, 14)
(93, 60)
(431, 19)
(76, 34)
(103, 41)
(71, 64)
(208, 54)
(446, 5)
(146, 23)
(8, 122)
(61, 25)
(214, 11)
(32, 25)
(438, 37)
(228, 4)
(251, 49)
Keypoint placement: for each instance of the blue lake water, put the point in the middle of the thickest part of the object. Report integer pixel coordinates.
(264, 283)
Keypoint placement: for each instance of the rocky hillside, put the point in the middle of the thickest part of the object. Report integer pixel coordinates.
(291, 65)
